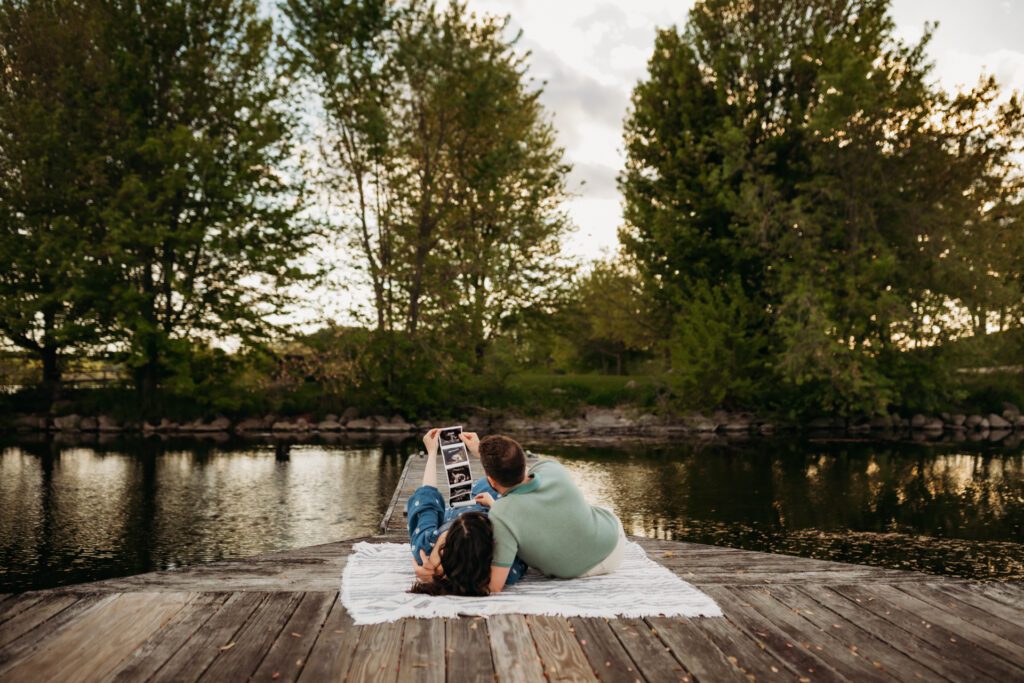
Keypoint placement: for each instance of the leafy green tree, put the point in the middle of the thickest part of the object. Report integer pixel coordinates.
(444, 166)
(800, 152)
(203, 226)
(54, 173)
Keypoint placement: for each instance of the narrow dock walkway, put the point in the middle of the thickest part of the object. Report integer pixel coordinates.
(276, 617)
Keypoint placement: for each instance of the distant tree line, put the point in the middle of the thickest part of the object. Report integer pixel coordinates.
(811, 223)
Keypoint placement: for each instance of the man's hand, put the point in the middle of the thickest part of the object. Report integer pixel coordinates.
(485, 499)
(472, 442)
(424, 572)
(430, 440)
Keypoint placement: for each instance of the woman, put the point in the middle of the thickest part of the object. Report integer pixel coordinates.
(452, 547)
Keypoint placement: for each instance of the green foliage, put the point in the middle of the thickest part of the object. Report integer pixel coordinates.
(54, 172)
(203, 229)
(717, 349)
(797, 155)
(438, 149)
(536, 393)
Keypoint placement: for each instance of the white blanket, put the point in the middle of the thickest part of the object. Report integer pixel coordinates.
(377, 576)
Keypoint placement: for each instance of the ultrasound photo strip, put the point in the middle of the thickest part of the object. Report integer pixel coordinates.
(460, 494)
(459, 475)
(454, 455)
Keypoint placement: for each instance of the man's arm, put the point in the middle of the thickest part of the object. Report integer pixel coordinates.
(499, 575)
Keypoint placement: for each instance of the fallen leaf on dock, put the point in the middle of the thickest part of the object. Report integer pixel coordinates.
(227, 647)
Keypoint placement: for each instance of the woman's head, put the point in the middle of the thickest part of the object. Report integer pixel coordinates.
(465, 558)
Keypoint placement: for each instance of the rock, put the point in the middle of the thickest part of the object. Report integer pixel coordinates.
(348, 414)
(881, 422)
(996, 435)
(30, 423)
(105, 423)
(699, 423)
(975, 422)
(1011, 409)
(285, 426)
(329, 426)
(396, 424)
(766, 428)
(918, 421)
(220, 424)
(515, 424)
(646, 420)
(604, 418)
(67, 423)
(631, 384)
(933, 424)
(1019, 422)
(252, 424)
(365, 424)
(737, 425)
(89, 424)
(862, 428)
(956, 419)
(997, 422)
(330, 417)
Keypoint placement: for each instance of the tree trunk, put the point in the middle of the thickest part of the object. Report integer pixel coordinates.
(50, 356)
(147, 380)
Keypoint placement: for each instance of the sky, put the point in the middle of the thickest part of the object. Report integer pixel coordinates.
(591, 53)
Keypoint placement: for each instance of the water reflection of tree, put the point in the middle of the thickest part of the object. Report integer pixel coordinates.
(784, 486)
(161, 502)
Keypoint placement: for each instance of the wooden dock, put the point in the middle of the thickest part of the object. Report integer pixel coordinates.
(276, 617)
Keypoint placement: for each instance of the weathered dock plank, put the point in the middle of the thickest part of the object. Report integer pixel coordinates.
(277, 617)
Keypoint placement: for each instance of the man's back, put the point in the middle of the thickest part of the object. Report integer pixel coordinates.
(548, 523)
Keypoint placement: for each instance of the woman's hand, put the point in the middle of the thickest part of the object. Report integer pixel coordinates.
(472, 442)
(424, 572)
(430, 440)
(485, 499)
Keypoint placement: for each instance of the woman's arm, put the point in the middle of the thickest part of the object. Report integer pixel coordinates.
(430, 441)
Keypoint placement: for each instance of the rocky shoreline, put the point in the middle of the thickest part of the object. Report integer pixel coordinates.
(1009, 423)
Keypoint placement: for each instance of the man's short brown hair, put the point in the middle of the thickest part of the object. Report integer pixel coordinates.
(503, 459)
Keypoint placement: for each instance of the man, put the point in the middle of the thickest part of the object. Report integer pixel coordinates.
(542, 516)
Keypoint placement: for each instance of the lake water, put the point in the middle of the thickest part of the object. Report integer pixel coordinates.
(72, 512)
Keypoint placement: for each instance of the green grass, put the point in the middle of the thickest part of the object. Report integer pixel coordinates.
(535, 393)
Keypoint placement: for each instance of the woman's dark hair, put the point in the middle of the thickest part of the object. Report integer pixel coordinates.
(465, 558)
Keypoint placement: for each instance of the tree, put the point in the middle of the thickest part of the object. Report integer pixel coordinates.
(800, 152)
(203, 226)
(54, 173)
(438, 152)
